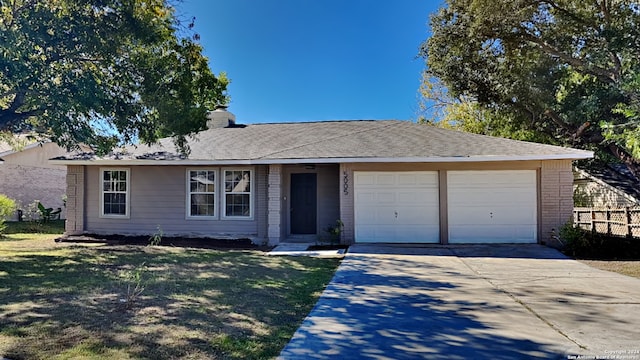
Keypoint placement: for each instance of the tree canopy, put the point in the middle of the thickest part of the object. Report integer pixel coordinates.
(102, 72)
(560, 71)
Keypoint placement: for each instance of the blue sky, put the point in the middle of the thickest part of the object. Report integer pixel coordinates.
(307, 60)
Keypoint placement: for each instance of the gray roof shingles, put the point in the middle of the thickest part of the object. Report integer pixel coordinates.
(339, 139)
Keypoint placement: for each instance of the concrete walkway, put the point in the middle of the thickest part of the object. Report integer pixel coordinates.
(480, 302)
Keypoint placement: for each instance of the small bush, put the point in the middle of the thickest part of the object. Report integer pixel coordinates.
(584, 244)
(574, 239)
(7, 208)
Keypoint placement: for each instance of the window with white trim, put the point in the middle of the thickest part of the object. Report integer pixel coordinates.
(201, 193)
(114, 201)
(238, 194)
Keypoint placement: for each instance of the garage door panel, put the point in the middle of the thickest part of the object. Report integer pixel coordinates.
(385, 179)
(392, 234)
(408, 215)
(412, 197)
(492, 206)
(397, 207)
(494, 233)
(374, 215)
(365, 179)
(480, 216)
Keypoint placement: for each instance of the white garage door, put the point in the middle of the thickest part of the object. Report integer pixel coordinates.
(492, 206)
(396, 207)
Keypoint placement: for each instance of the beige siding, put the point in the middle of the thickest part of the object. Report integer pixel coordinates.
(27, 177)
(588, 192)
(158, 200)
(328, 199)
(346, 203)
(555, 189)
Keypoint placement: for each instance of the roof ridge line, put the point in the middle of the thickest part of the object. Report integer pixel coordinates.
(329, 139)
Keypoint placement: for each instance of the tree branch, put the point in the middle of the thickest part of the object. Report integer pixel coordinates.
(566, 12)
(602, 74)
(9, 118)
(631, 162)
(556, 119)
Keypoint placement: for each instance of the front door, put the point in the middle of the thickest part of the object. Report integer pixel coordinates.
(303, 204)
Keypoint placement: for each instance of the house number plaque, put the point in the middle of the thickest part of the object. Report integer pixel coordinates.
(345, 185)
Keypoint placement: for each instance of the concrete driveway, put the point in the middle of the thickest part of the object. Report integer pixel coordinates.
(470, 302)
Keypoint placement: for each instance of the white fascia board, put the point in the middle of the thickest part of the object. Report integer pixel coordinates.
(109, 162)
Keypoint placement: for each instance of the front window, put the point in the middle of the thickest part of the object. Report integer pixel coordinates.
(115, 192)
(237, 193)
(202, 193)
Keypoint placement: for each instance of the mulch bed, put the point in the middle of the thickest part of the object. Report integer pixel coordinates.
(202, 243)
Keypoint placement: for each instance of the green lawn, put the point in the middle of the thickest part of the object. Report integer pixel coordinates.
(30, 227)
(59, 301)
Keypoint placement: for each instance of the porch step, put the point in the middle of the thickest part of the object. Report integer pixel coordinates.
(300, 249)
(290, 247)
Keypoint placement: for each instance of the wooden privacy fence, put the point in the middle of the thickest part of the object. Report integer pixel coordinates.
(617, 222)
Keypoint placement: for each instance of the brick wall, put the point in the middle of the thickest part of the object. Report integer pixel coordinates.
(556, 196)
(274, 200)
(27, 177)
(75, 200)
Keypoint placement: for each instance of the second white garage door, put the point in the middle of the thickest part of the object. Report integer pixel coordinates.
(492, 206)
(398, 207)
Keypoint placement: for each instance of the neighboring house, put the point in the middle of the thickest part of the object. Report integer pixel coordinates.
(611, 186)
(387, 181)
(27, 176)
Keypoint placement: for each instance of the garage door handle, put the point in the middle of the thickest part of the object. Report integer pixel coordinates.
(396, 214)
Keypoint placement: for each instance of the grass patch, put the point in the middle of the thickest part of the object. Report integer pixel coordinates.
(59, 301)
(629, 268)
(34, 227)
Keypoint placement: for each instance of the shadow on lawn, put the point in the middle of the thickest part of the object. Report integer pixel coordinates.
(194, 303)
(365, 315)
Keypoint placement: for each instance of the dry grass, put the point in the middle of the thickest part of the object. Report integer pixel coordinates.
(96, 302)
(629, 268)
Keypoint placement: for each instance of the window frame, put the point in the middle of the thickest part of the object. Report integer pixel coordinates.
(223, 192)
(127, 192)
(216, 191)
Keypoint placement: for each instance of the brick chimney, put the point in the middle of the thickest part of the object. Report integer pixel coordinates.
(220, 118)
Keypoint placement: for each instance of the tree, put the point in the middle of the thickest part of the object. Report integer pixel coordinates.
(568, 70)
(102, 72)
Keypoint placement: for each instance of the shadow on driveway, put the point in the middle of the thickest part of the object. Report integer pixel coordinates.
(391, 303)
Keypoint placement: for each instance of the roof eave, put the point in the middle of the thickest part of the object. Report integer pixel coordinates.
(435, 159)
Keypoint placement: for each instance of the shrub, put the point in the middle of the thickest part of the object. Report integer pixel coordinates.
(574, 239)
(7, 208)
(584, 244)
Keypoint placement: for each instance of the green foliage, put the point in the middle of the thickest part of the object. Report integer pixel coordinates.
(134, 285)
(565, 70)
(334, 231)
(573, 238)
(35, 227)
(102, 73)
(48, 214)
(7, 208)
(584, 244)
(156, 238)
(582, 198)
